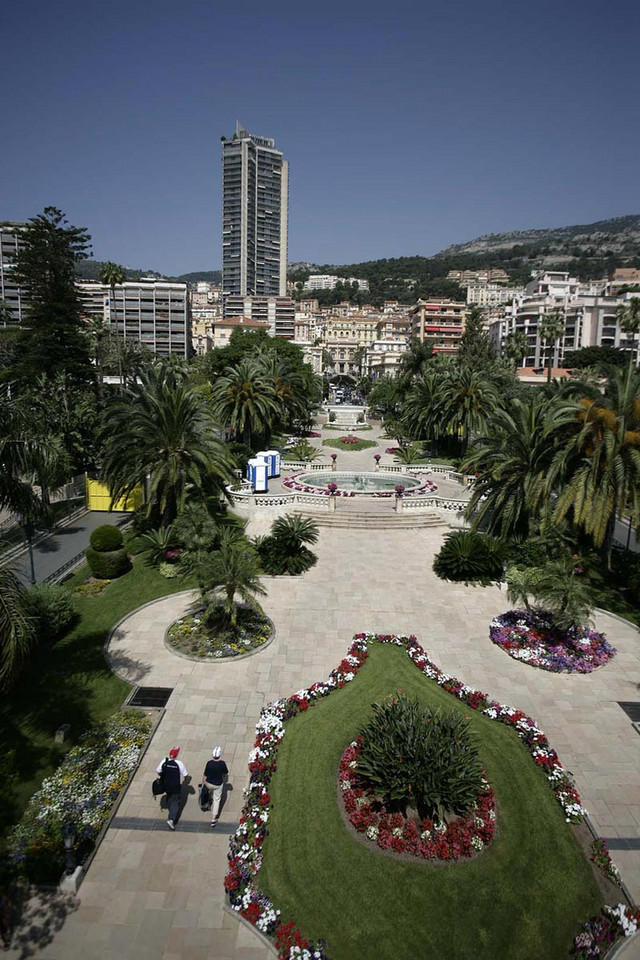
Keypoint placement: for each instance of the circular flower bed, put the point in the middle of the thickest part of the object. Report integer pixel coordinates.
(533, 638)
(463, 837)
(195, 637)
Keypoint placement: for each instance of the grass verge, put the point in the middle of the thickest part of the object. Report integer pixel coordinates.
(359, 445)
(524, 898)
(69, 682)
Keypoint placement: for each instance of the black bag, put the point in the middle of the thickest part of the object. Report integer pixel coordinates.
(205, 799)
(157, 786)
(170, 776)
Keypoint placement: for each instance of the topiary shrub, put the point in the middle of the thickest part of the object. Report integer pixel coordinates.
(468, 557)
(415, 757)
(51, 609)
(106, 537)
(107, 564)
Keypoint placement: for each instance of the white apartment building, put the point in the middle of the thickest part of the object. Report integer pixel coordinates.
(150, 311)
(10, 293)
(278, 312)
(383, 358)
(489, 295)
(327, 281)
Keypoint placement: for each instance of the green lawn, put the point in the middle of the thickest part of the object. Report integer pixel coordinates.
(360, 445)
(523, 899)
(68, 683)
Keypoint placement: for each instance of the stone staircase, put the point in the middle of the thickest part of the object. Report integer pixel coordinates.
(379, 521)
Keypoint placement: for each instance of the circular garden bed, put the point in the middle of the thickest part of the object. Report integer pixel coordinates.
(208, 638)
(463, 837)
(532, 637)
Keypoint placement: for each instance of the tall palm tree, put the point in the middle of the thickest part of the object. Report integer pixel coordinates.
(516, 346)
(17, 632)
(598, 469)
(512, 460)
(244, 399)
(552, 327)
(162, 431)
(422, 409)
(113, 274)
(468, 401)
(629, 320)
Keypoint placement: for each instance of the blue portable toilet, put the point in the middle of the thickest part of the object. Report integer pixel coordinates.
(257, 474)
(274, 456)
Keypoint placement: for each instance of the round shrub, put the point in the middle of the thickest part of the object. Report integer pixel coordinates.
(106, 537)
(51, 609)
(469, 557)
(107, 565)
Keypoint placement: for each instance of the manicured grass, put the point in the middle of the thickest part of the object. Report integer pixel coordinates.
(360, 445)
(69, 682)
(523, 899)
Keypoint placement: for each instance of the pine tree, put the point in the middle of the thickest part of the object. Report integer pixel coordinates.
(53, 340)
(476, 352)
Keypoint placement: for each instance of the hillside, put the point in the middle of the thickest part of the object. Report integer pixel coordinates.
(90, 270)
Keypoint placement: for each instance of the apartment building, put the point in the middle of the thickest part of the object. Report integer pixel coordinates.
(222, 328)
(383, 358)
(255, 211)
(491, 295)
(279, 313)
(153, 312)
(438, 320)
(326, 281)
(10, 293)
(623, 277)
(477, 277)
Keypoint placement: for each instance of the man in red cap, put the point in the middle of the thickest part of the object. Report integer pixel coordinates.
(172, 772)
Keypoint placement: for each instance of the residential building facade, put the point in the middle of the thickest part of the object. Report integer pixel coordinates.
(150, 311)
(10, 293)
(440, 321)
(326, 281)
(255, 210)
(279, 313)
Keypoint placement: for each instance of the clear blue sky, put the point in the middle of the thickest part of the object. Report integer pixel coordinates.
(408, 126)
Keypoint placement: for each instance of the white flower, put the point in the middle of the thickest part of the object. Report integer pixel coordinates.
(397, 831)
(372, 833)
(477, 843)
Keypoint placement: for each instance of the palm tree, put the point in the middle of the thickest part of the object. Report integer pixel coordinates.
(511, 461)
(161, 432)
(556, 588)
(17, 633)
(285, 550)
(468, 401)
(233, 569)
(244, 399)
(112, 274)
(598, 469)
(516, 346)
(552, 327)
(629, 320)
(423, 407)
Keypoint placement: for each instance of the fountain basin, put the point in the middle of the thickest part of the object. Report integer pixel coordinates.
(358, 482)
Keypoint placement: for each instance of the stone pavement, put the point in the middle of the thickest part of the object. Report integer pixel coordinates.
(155, 895)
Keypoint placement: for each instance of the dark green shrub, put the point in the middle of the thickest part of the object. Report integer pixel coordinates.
(284, 551)
(51, 609)
(106, 537)
(240, 453)
(107, 565)
(469, 557)
(416, 757)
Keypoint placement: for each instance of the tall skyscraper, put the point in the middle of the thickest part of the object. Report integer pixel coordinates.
(255, 210)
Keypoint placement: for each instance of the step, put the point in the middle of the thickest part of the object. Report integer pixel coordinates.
(374, 521)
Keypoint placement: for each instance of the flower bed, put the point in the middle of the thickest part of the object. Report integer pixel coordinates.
(81, 791)
(291, 483)
(392, 831)
(602, 859)
(532, 638)
(245, 848)
(599, 933)
(192, 636)
(351, 442)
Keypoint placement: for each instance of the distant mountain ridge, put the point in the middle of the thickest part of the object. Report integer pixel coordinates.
(619, 235)
(90, 270)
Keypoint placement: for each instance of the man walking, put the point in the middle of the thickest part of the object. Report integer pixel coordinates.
(172, 772)
(213, 778)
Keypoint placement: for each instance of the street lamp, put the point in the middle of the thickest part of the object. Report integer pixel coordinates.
(68, 836)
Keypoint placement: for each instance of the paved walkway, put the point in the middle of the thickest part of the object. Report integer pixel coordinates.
(62, 544)
(155, 895)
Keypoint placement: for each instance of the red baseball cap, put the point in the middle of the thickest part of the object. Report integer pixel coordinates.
(174, 753)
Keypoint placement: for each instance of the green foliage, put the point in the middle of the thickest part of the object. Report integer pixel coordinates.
(416, 757)
(17, 632)
(601, 358)
(51, 610)
(106, 537)
(107, 564)
(475, 350)
(303, 450)
(234, 568)
(285, 550)
(360, 444)
(157, 542)
(555, 587)
(408, 454)
(470, 557)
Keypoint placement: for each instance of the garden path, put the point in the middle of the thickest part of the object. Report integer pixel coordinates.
(155, 895)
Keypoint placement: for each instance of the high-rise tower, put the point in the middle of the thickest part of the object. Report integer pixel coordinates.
(255, 210)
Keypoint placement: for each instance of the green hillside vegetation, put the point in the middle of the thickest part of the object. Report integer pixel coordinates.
(90, 270)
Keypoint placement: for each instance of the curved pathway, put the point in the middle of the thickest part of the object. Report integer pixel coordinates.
(153, 894)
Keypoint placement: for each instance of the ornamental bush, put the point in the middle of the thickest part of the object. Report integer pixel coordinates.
(416, 757)
(470, 557)
(107, 565)
(106, 537)
(51, 609)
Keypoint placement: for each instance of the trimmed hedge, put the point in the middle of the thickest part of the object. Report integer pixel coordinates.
(106, 537)
(107, 565)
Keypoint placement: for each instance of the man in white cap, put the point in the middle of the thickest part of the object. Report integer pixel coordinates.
(213, 778)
